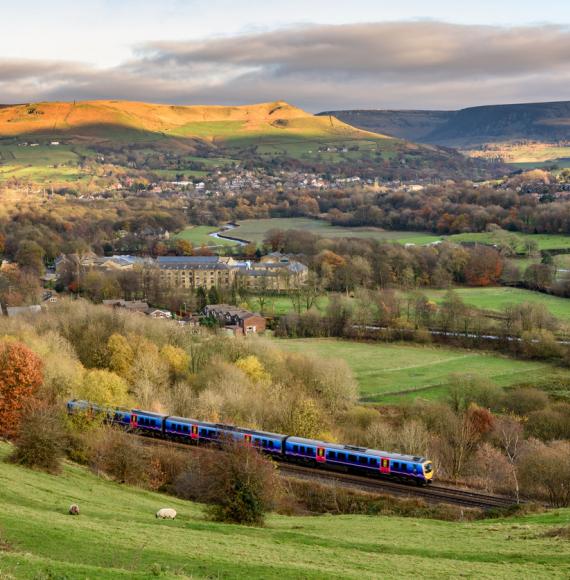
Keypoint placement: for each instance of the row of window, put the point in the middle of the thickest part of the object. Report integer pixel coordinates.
(180, 428)
(302, 450)
(263, 443)
(147, 422)
(350, 458)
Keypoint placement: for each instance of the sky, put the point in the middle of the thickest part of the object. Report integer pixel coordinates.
(316, 54)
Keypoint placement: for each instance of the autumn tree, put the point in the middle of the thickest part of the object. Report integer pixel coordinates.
(104, 388)
(21, 374)
(121, 355)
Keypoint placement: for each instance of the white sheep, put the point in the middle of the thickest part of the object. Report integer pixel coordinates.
(166, 514)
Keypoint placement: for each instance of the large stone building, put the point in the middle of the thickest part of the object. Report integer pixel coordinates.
(273, 273)
(197, 271)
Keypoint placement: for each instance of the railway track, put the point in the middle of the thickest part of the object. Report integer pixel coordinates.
(432, 494)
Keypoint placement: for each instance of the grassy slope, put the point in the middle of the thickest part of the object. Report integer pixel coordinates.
(123, 119)
(392, 372)
(497, 298)
(117, 536)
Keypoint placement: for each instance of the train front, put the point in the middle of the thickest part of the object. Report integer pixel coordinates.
(427, 467)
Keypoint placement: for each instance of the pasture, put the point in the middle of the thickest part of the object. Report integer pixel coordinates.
(544, 241)
(117, 536)
(497, 298)
(395, 372)
(200, 235)
(40, 164)
(256, 231)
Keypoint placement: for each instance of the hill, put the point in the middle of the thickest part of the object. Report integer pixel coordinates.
(117, 536)
(123, 120)
(65, 142)
(476, 127)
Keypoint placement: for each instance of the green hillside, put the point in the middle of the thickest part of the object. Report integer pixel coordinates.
(117, 536)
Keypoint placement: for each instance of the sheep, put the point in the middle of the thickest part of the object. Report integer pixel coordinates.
(73, 509)
(166, 514)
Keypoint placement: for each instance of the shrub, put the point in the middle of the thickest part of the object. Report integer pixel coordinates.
(117, 454)
(523, 401)
(41, 441)
(240, 484)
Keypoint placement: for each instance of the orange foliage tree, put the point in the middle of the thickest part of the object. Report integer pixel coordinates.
(20, 376)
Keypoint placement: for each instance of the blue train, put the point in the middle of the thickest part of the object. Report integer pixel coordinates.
(311, 452)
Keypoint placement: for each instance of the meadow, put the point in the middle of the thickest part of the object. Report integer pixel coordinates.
(117, 536)
(497, 298)
(544, 241)
(200, 235)
(40, 164)
(395, 372)
(256, 231)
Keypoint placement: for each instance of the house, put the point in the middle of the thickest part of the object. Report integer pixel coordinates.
(164, 314)
(238, 320)
(132, 305)
(12, 311)
(275, 272)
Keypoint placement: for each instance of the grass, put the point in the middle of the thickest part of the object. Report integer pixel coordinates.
(281, 305)
(544, 241)
(256, 231)
(394, 372)
(498, 297)
(117, 536)
(199, 235)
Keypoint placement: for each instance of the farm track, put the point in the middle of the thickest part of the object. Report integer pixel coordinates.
(434, 494)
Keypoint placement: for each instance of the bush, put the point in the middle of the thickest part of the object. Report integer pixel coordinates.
(239, 484)
(523, 401)
(41, 441)
(117, 454)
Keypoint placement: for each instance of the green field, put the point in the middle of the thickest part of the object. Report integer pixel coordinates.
(498, 297)
(256, 230)
(199, 235)
(544, 241)
(117, 536)
(40, 164)
(394, 372)
(281, 305)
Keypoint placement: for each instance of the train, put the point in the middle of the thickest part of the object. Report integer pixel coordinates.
(300, 450)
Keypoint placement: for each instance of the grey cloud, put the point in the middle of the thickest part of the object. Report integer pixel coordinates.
(405, 64)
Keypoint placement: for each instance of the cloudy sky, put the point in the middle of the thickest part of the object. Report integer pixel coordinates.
(317, 54)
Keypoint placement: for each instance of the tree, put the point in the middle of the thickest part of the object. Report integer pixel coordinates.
(41, 441)
(121, 355)
(508, 434)
(104, 388)
(201, 298)
(177, 360)
(30, 256)
(213, 295)
(240, 489)
(184, 248)
(253, 368)
(21, 374)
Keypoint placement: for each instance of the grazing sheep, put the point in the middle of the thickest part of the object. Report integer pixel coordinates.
(166, 514)
(73, 509)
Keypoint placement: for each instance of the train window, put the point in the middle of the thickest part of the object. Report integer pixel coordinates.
(373, 462)
(270, 444)
(341, 456)
(203, 432)
(363, 460)
(264, 443)
(302, 450)
(295, 449)
(395, 465)
(332, 455)
(352, 458)
(185, 428)
(310, 452)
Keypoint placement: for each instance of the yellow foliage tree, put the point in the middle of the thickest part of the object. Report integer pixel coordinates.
(306, 419)
(104, 388)
(177, 360)
(121, 355)
(253, 368)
